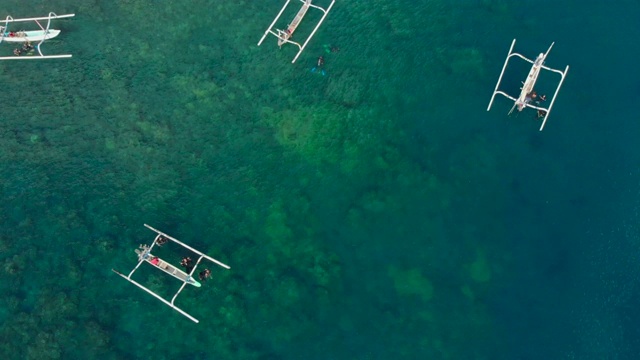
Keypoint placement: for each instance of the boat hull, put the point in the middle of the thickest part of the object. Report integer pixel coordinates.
(172, 270)
(32, 36)
(527, 88)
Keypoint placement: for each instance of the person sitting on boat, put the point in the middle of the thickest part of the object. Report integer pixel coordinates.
(204, 275)
(17, 52)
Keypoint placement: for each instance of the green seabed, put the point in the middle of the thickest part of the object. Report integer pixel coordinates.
(351, 232)
(303, 184)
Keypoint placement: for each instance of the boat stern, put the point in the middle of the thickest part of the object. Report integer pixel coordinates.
(193, 282)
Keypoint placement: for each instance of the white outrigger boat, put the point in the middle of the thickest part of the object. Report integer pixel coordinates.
(27, 37)
(144, 255)
(526, 94)
(284, 36)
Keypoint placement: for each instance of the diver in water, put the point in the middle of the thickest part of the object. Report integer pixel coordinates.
(319, 66)
(161, 240)
(204, 275)
(186, 263)
(27, 46)
(541, 98)
(330, 48)
(541, 114)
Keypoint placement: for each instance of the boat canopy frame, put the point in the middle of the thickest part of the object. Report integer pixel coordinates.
(143, 256)
(285, 35)
(4, 29)
(527, 86)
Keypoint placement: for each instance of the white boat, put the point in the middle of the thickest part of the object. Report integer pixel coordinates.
(27, 37)
(527, 93)
(284, 36)
(145, 256)
(31, 36)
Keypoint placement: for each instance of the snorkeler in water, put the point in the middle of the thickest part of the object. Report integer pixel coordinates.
(204, 275)
(319, 66)
(331, 48)
(541, 114)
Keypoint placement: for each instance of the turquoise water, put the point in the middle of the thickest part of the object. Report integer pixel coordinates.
(377, 212)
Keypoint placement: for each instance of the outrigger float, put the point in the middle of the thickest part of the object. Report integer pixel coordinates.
(27, 37)
(144, 255)
(525, 98)
(284, 36)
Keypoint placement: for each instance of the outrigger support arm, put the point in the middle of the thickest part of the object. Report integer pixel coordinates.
(10, 19)
(504, 67)
(563, 75)
(170, 304)
(184, 283)
(35, 57)
(273, 23)
(160, 233)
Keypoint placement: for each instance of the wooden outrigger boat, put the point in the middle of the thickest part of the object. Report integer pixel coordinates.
(144, 255)
(284, 36)
(27, 37)
(525, 99)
